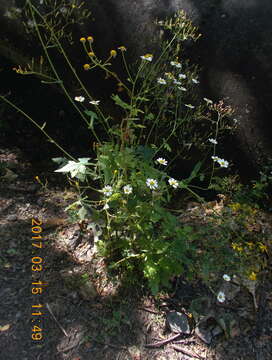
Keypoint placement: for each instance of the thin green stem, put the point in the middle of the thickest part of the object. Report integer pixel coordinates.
(41, 128)
(32, 10)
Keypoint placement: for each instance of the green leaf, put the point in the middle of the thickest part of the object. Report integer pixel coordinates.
(118, 101)
(60, 160)
(194, 172)
(166, 146)
(93, 116)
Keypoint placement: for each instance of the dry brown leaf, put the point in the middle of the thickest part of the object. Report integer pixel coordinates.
(5, 327)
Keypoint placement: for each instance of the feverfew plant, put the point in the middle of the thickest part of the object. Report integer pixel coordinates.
(159, 112)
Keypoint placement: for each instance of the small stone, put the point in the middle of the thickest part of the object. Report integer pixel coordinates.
(12, 217)
(204, 335)
(217, 331)
(178, 322)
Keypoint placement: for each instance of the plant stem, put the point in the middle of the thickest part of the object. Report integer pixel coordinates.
(37, 125)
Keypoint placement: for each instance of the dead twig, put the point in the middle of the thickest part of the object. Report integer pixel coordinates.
(163, 342)
(109, 344)
(184, 341)
(186, 352)
(54, 317)
(149, 310)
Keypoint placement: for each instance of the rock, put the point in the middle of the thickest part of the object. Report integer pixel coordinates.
(203, 334)
(217, 330)
(178, 322)
(12, 217)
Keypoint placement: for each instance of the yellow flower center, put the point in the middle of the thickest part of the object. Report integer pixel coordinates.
(86, 66)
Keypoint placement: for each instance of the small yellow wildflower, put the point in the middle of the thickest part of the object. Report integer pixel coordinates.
(86, 67)
(90, 39)
(262, 247)
(237, 247)
(91, 54)
(253, 276)
(113, 53)
(82, 39)
(122, 48)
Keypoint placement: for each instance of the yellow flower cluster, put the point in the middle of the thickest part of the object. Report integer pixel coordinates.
(113, 53)
(237, 247)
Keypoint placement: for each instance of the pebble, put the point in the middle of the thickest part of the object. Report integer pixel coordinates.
(12, 217)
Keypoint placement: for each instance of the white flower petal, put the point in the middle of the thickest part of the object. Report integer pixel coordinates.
(152, 183)
(221, 297)
(94, 102)
(226, 277)
(162, 161)
(213, 141)
(79, 98)
(127, 189)
(172, 182)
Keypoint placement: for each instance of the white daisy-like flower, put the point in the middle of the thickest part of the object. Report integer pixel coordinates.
(127, 189)
(79, 98)
(213, 141)
(182, 88)
(147, 57)
(223, 163)
(107, 190)
(221, 297)
(226, 277)
(94, 102)
(195, 81)
(173, 182)
(176, 64)
(152, 184)
(161, 81)
(208, 101)
(215, 158)
(176, 82)
(162, 161)
(182, 76)
(189, 106)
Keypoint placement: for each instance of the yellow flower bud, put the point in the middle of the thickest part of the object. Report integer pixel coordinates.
(86, 67)
(90, 39)
(253, 276)
(91, 54)
(113, 53)
(82, 39)
(122, 48)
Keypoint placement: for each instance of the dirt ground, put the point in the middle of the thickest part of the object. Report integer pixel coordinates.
(85, 316)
